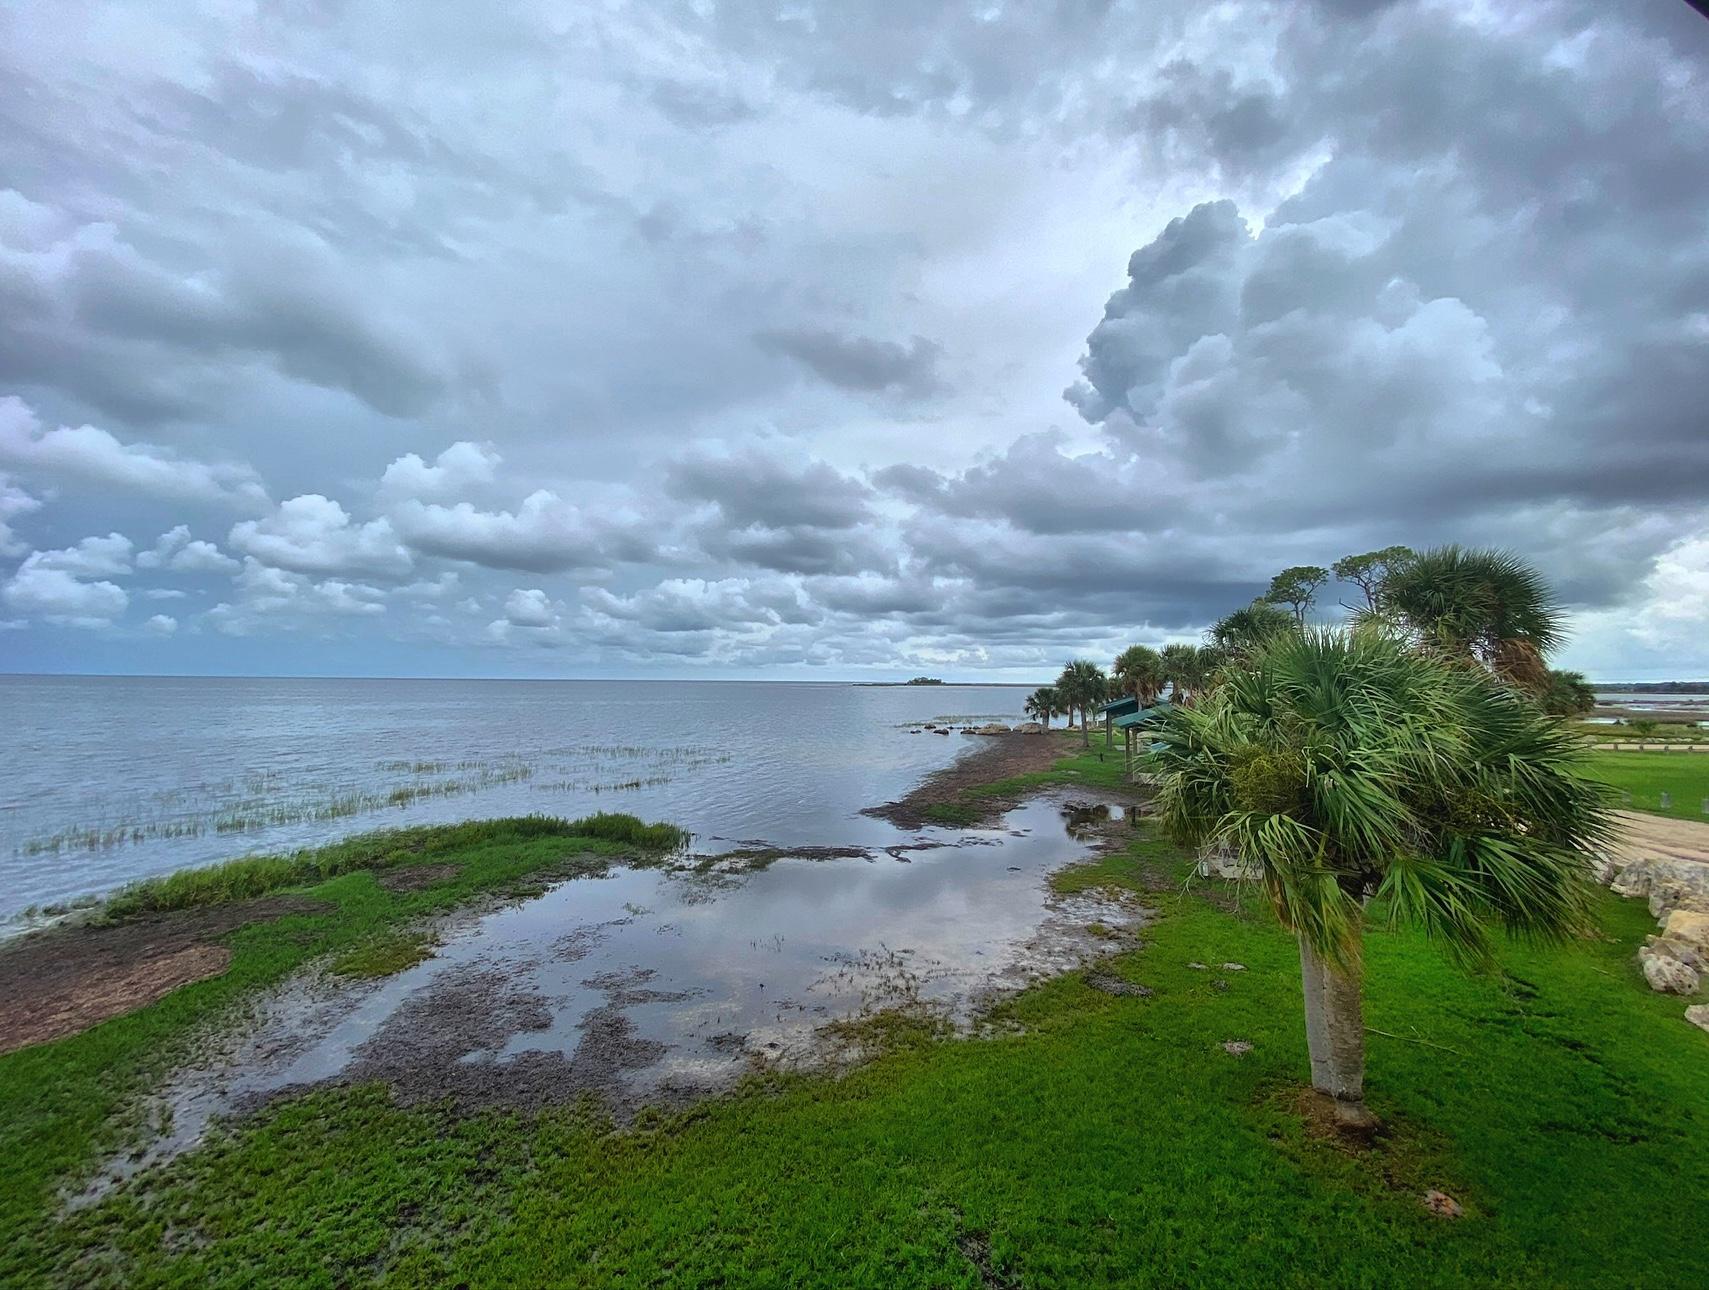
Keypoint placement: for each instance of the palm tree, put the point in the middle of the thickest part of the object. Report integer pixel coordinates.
(1347, 767)
(1486, 605)
(1568, 695)
(1082, 684)
(1245, 631)
(1139, 671)
(1042, 704)
(1187, 670)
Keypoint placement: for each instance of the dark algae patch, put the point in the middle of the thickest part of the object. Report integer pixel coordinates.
(1088, 1134)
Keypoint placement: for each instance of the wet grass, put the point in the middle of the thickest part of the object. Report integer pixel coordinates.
(1684, 777)
(384, 955)
(1098, 1139)
(252, 876)
(63, 1104)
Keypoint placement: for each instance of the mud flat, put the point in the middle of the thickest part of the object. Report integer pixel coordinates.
(657, 986)
(996, 758)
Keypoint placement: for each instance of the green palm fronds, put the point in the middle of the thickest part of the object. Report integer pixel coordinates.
(1348, 766)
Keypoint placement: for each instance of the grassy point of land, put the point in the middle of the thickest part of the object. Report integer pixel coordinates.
(1093, 1138)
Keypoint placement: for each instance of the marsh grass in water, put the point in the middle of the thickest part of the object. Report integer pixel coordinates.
(258, 875)
(256, 802)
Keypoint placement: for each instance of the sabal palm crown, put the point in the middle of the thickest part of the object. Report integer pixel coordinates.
(1139, 671)
(1081, 684)
(1187, 668)
(1043, 704)
(1346, 766)
(1484, 604)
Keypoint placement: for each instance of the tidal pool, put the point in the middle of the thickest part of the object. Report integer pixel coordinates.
(652, 985)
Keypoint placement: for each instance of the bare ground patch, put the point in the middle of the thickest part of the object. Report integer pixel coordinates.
(63, 981)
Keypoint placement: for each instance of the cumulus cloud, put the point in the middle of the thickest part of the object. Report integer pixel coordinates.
(40, 589)
(178, 551)
(93, 557)
(91, 455)
(312, 534)
(14, 502)
(760, 484)
(161, 625)
(454, 472)
(269, 599)
(530, 608)
(545, 534)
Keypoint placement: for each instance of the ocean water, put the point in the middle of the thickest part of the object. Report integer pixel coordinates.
(109, 779)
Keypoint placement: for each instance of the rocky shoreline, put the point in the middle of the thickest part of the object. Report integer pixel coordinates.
(1666, 863)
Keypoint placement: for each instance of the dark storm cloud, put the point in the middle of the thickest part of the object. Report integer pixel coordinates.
(859, 363)
(754, 485)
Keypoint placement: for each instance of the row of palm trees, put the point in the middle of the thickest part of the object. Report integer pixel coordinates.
(1404, 762)
(1139, 670)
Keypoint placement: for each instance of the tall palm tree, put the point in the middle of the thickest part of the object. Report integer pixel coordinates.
(1486, 605)
(1042, 704)
(1348, 767)
(1245, 631)
(1139, 671)
(1082, 684)
(1185, 666)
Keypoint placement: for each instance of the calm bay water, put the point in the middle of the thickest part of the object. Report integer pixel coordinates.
(109, 779)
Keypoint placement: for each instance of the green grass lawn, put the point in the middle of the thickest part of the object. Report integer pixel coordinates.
(1101, 1140)
(1646, 776)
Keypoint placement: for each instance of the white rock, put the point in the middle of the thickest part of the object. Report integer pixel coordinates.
(1689, 926)
(1666, 973)
(1698, 1015)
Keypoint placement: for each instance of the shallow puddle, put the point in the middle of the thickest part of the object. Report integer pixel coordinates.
(651, 984)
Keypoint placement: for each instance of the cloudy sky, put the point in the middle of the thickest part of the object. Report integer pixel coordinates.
(833, 340)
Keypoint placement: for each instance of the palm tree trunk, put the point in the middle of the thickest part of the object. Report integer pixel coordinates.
(1085, 732)
(1335, 1034)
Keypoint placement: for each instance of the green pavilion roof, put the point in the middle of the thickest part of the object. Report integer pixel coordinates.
(1142, 716)
(1120, 707)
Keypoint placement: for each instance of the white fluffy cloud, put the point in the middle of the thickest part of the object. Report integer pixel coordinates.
(545, 534)
(178, 551)
(457, 470)
(91, 455)
(40, 590)
(312, 534)
(269, 599)
(14, 502)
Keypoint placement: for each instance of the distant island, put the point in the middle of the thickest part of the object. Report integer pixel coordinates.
(1656, 687)
(923, 680)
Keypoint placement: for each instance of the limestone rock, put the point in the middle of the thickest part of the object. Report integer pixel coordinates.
(1695, 959)
(1029, 728)
(1666, 973)
(1237, 1047)
(1689, 926)
(1698, 1015)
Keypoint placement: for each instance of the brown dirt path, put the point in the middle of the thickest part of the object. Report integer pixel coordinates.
(1646, 837)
